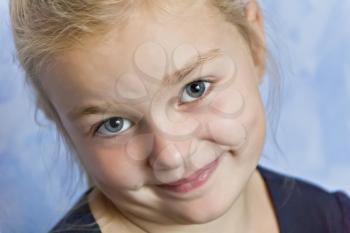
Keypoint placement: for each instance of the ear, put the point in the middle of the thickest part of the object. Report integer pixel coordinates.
(255, 20)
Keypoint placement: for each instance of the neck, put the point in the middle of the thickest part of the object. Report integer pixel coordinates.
(244, 215)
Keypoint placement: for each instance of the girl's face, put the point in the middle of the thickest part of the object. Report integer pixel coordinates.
(156, 101)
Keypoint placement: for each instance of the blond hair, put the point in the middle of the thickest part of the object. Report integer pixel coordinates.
(44, 29)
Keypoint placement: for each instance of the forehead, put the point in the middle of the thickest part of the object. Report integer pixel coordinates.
(200, 26)
(148, 41)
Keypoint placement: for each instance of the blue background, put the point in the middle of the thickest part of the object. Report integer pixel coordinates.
(313, 46)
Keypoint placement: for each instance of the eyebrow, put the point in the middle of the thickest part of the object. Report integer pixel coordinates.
(195, 62)
(176, 77)
(82, 111)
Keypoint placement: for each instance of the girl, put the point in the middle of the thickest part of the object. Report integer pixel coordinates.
(159, 101)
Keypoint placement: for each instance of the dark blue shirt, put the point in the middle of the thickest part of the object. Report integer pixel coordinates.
(301, 207)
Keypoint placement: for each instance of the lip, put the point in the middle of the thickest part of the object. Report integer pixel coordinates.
(195, 180)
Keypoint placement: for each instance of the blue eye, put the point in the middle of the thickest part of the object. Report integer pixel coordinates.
(114, 126)
(194, 90)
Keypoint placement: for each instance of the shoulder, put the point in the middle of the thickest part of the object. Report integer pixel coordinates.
(78, 219)
(300, 203)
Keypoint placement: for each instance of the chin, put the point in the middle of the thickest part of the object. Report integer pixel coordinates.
(206, 211)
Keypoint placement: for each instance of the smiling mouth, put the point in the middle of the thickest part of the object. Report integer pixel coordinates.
(196, 179)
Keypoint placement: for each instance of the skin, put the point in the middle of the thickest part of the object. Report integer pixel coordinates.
(167, 140)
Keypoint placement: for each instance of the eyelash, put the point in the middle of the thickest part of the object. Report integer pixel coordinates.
(206, 92)
(97, 126)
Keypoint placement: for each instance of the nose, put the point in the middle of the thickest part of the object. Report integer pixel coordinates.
(166, 154)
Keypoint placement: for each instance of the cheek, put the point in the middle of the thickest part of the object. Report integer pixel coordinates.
(236, 118)
(110, 161)
(228, 132)
(224, 127)
(111, 166)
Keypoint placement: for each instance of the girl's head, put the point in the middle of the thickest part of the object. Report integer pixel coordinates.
(148, 92)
